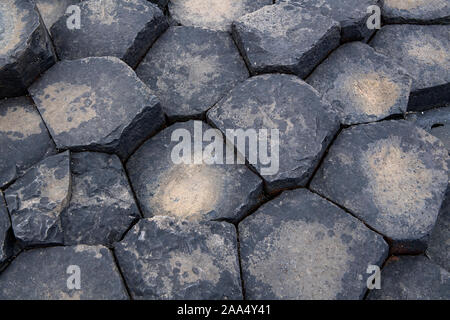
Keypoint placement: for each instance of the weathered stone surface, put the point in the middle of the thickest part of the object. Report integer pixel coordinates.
(97, 104)
(364, 86)
(102, 206)
(305, 123)
(203, 191)
(424, 51)
(392, 175)
(412, 278)
(439, 244)
(212, 14)
(300, 246)
(25, 47)
(52, 10)
(352, 15)
(166, 258)
(121, 28)
(44, 274)
(37, 199)
(6, 248)
(417, 11)
(190, 69)
(285, 38)
(24, 139)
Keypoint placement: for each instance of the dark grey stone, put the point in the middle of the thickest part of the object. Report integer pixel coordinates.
(424, 51)
(418, 11)
(162, 4)
(102, 206)
(189, 69)
(305, 123)
(300, 246)
(6, 239)
(97, 104)
(119, 28)
(363, 85)
(412, 278)
(25, 47)
(44, 274)
(203, 191)
(439, 244)
(52, 10)
(166, 258)
(392, 175)
(285, 38)
(24, 139)
(37, 199)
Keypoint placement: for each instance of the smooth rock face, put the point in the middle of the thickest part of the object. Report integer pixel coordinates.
(37, 199)
(5, 232)
(25, 47)
(352, 15)
(417, 11)
(212, 14)
(44, 274)
(305, 124)
(412, 278)
(52, 10)
(203, 190)
(392, 175)
(424, 51)
(97, 104)
(166, 258)
(121, 28)
(300, 246)
(189, 69)
(24, 139)
(362, 85)
(102, 206)
(285, 38)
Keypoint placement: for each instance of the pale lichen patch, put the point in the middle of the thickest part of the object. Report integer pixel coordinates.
(428, 50)
(19, 123)
(12, 25)
(414, 4)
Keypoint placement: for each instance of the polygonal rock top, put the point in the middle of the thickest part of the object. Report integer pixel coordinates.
(300, 246)
(97, 104)
(417, 11)
(362, 85)
(212, 14)
(392, 175)
(286, 106)
(189, 69)
(121, 28)
(166, 258)
(285, 38)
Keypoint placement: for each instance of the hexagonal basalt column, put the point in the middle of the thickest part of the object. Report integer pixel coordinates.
(53, 274)
(200, 190)
(424, 51)
(119, 28)
(165, 258)
(392, 175)
(364, 86)
(97, 104)
(25, 48)
(299, 126)
(21, 130)
(285, 38)
(190, 69)
(417, 11)
(6, 239)
(300, 246)
(52, 10)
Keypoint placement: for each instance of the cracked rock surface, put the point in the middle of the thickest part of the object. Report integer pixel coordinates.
(418, 11)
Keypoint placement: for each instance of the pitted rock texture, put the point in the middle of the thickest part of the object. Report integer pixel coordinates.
(392, 175)
(6, 239)
(417, 11)
(424, 51)
(165, 258)
(52, 10)
(25, 47)
(300, 246)
(45, 274)
(285, 38)
(200, 188)
(121, 28)
(102, 206)
(189, 69)
(97, 104)
(364, 86)
(283, 105)
(37, 199)
(412, 278)
(212, 14)
(24, 139)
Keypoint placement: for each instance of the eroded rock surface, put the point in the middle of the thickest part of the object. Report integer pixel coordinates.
(6, 239)
(417, 11)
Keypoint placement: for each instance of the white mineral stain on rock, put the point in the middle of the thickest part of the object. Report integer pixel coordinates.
(19, 123)
(428, 50)
(103, 11)
(12, 25)
(414, 4)
(95, 250)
